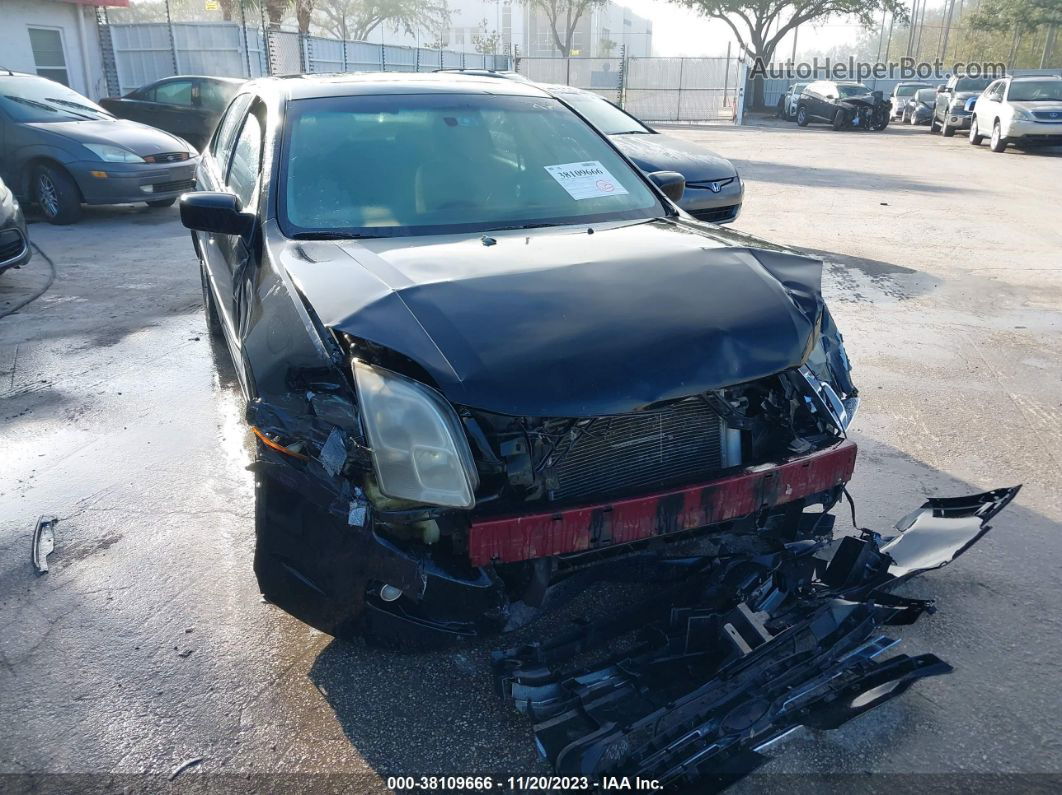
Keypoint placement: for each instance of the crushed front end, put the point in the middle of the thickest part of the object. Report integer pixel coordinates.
(418, 521)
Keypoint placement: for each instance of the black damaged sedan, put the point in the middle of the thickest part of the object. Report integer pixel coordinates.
(483, 353)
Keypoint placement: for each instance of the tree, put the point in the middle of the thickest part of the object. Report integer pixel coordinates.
(760, 25)
(563, 17)
(356, 19)
(1019, 18)
(486, 43)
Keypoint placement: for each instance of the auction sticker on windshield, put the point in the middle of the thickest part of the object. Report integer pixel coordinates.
(586, 180)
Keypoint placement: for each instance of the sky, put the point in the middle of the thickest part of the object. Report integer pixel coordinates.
(679, 31)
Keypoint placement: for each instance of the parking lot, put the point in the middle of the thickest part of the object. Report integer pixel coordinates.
(148, 645)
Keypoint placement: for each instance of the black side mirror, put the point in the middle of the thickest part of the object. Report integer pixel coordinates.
(672, 183)
(942, 89)
(219, 213)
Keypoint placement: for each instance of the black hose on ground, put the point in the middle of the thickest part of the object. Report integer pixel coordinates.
(40, 292)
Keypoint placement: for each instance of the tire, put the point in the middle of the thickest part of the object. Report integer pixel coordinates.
(56, 194)
(839, 120)
(975, 138)
(210, 309)
(947, 130)
(998, 143)
(933, 126)
(802, 116)
(163, 202)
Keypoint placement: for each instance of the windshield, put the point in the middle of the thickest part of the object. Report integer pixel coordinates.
(35, 99)
(603, 114)
(972, 83)
(928, 95)
(1035, 91)
(850, 90)
(431, 164)
(908, 90)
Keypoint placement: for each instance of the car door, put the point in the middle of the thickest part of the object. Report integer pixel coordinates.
(242, 179)
(216, 250)
(824, 102)
(810, 99)
(174, 109)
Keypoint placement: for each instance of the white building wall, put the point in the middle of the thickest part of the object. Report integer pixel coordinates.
(80, 44)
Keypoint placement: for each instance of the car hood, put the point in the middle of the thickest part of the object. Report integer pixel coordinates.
(138, 138)
(663, 153)
(1048, 107)
(561, 323)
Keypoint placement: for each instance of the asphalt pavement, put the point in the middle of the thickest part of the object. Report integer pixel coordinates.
(147, 646)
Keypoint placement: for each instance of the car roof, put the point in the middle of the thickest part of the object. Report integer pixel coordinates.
(1036, 77)
(370, 83)
(198, 77)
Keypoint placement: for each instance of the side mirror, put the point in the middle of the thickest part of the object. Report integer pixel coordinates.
(830, 96)
(672, 183)
(942, 89)
(219, 213)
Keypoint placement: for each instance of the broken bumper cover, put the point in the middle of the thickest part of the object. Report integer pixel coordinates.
(748, 650)
(539, 535)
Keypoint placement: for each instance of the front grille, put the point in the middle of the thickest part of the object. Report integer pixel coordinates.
(716, 214)
(703, 184)
(169, 187)
(640, 451)
(1048, 115)
(12, 245)
(166, 157)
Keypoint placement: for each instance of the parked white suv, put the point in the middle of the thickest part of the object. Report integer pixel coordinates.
(1019, 110)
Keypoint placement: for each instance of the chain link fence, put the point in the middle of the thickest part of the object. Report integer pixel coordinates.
(655, 89)
(136, 53)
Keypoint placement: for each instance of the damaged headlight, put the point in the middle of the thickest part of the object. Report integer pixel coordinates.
(420, 451)
(829, 377)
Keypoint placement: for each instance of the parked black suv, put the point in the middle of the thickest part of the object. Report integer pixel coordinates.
(842, 104)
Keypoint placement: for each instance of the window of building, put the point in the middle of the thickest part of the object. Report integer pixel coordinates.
(48, 56)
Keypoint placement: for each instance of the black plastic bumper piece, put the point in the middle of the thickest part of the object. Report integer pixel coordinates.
(769, 644)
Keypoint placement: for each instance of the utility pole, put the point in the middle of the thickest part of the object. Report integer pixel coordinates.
(911, 30)
(921, 28)
(881, 37)
(947, 30)
(888, 44)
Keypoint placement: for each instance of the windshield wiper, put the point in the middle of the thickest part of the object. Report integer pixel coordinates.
(69, 104)
(632, 132)
(44, 106)
(523, 226)
(326, 235)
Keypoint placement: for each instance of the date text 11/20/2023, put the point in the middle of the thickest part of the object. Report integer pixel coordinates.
(404, 784)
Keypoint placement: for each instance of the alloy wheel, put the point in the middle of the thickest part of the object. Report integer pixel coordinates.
(47, 196)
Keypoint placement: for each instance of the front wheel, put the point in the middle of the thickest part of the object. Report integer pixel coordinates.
(162, 202)
(839, 120)
(947, 130)
(933, 126)
(802, 116)
(57, 195)
(997, 143)
(975, 137)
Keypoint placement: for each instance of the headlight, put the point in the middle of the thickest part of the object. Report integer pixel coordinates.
(113, 154)
(827, 373)
(958, 103)
(1022, 115)
(419, 447)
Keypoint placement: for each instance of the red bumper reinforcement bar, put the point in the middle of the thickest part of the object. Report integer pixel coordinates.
(540, 535)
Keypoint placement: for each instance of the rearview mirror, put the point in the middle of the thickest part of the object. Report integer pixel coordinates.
(205, 211)
(672, 183)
